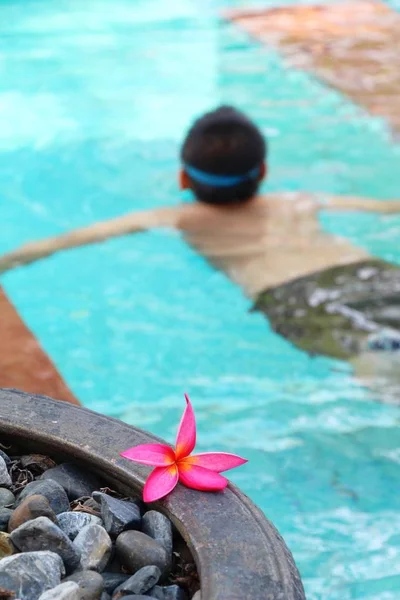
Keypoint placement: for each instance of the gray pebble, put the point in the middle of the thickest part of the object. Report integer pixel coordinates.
(5, 479)
(95, 547)
(197, 596)
(91, 584)
(118, 515)
(5, 457)
(31, 573)
(158, 527)
(65, 591)
(140, 583)
(72, 522)
(113, 580)
(5, 516)
(105, 596)
(75, 481)
(43, 534)
(169, 592)
(51, 490)
(7, 498)
(136, 550)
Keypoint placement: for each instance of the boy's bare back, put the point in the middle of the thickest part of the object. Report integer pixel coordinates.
(267, 241)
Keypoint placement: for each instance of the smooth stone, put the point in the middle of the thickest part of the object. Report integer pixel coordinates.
(118, 515)
(5, 457)
(95, 547)
(7, 498)
(52, 490)
(5, 516)
(140, 583)
(136, 550)
(5, 479)
(75, 481)
(158, 527)
(31, 573)
(6, 547)
(31, 508)
(91, 584)
(72, 522)
(65, 591)
(43, 534)
(197, 595)
(113, 580)
(169, 592)
(105, 596)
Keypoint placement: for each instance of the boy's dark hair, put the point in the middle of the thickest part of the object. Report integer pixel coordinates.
(222, 154)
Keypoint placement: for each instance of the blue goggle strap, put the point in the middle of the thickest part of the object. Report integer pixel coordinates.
(213, 180)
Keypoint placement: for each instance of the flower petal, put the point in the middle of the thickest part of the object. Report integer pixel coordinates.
(157, 455)
(186, 437)
(160, 483)
(215, 461)
(200, 478)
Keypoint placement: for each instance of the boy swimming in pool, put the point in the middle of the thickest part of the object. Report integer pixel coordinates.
(317, 290)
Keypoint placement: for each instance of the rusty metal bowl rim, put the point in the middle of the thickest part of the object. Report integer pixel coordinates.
(239, 553)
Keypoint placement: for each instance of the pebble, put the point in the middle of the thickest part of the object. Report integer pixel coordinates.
(118, 515)
(158, 527)
(170, 592)
(75, 481)
(95, 547)
(140, 583)
(65, 591)
(136, 550)
(6, 547)
(52, 490)
(31, 508)
(5, 479)
(31, 573)
(197, 596)
(5, 457)
(43, 534)
(5, 516)
(72, 522)
(113, 580)
(105, 596)
(7, 498)
(91, 584)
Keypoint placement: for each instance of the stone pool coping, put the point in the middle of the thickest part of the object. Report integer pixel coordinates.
(239, 553)
(23, 362)
(352, 46)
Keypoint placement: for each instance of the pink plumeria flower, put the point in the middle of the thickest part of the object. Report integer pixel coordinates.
(200, 471)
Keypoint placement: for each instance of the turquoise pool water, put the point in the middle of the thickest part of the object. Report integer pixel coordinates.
(93, 104)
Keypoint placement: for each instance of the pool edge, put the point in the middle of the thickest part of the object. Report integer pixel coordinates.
(23, 362)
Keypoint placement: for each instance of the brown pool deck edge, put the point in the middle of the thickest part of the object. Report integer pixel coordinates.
(23, 362)
(353, 47)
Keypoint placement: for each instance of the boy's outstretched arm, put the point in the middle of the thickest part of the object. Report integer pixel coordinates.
(355, 203)
(98, 232)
